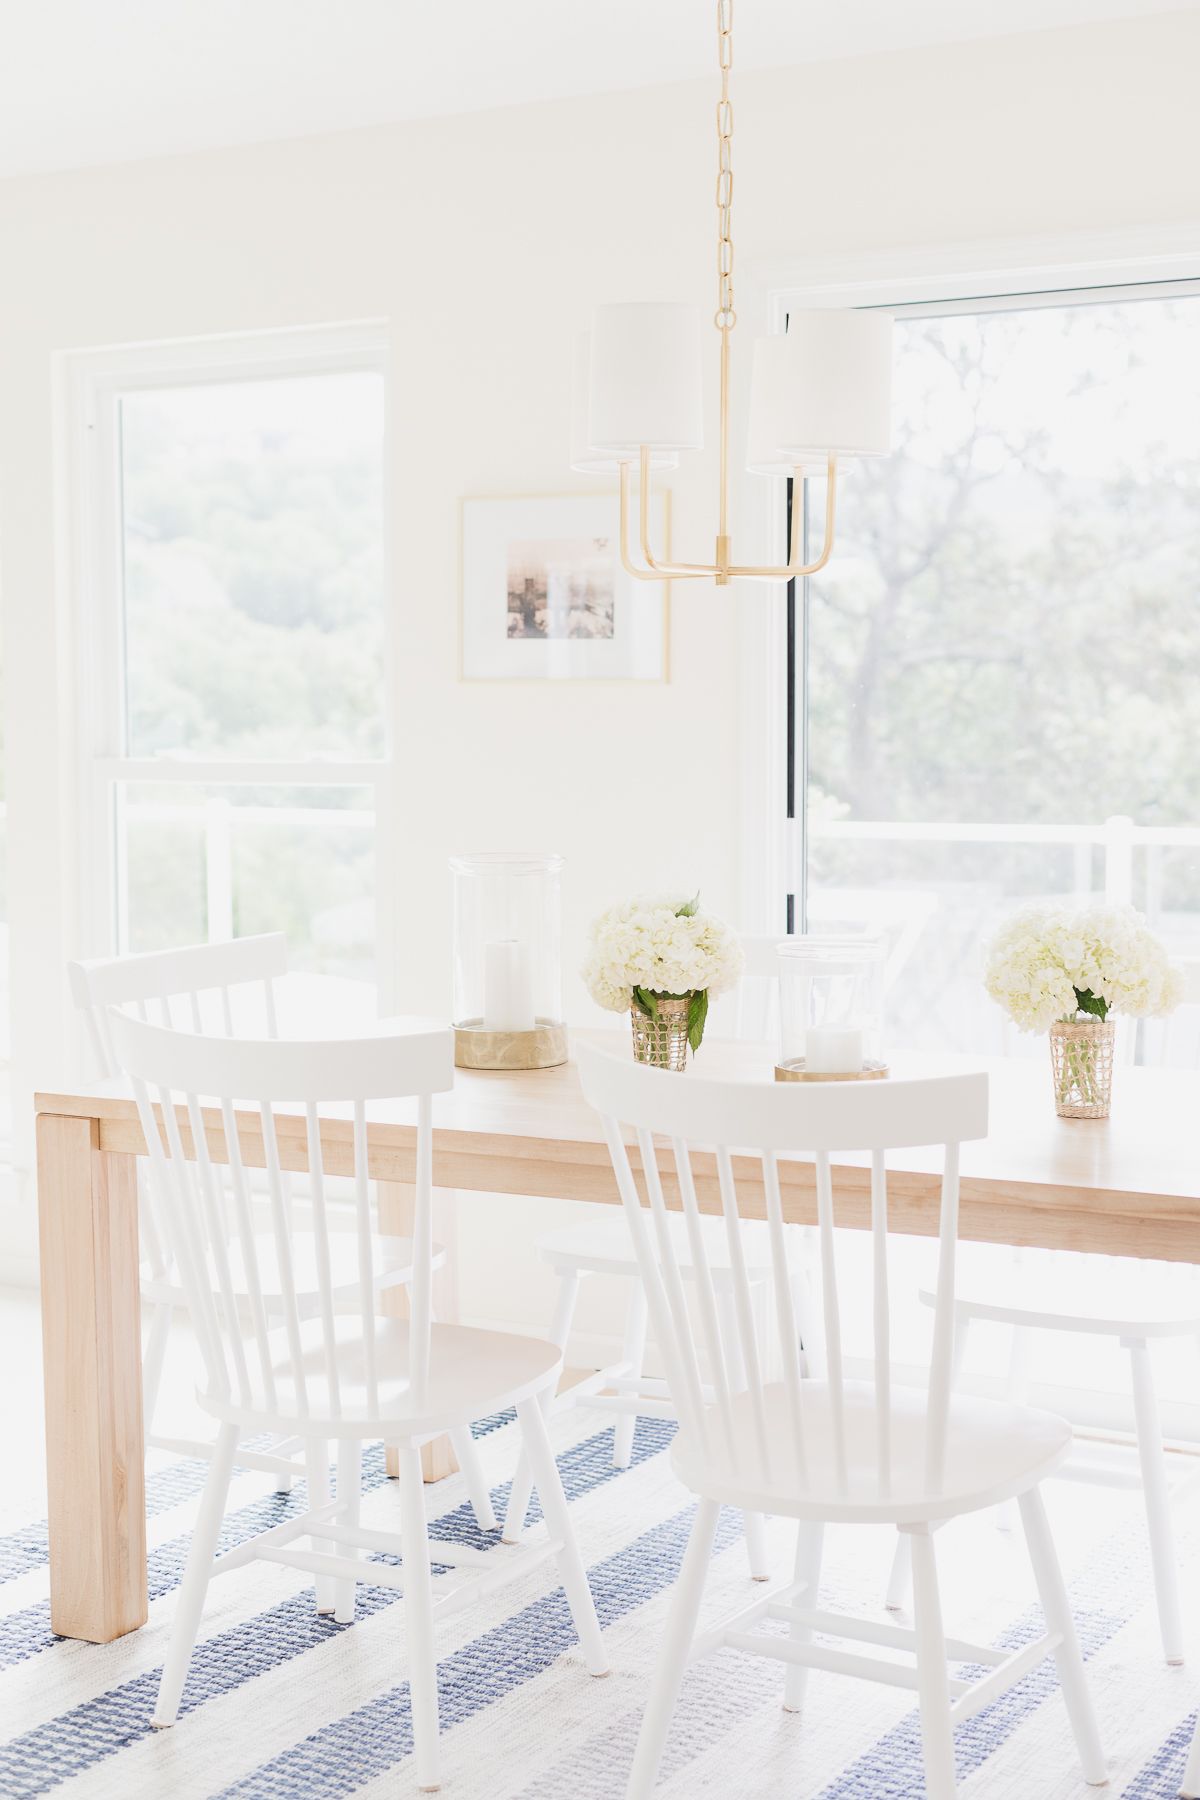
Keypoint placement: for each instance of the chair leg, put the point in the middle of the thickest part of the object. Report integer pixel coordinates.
(153, 1358)
(735, 1366)
(1056, 1609)
(418, 1615)
(673, 1656)
(1158, 1503)
(522, 1483)
(1191, 1775)
(1016, 1392)
(194, 1585)
(633, 1353)
(933, 1676)
(810, 1541)
(540, 1452)
(472, 1470)
(899, 1587)
(757, 1554)
(316, 1464)
(285, 1447)
(349, 1493)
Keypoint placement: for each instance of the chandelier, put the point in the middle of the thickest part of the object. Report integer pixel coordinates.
(820, 394)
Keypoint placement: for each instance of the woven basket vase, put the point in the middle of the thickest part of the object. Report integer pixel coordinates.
(662, 1042)
(1081, 1062)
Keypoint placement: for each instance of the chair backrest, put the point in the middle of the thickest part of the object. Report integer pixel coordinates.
(743, 1130)
(265, 1077)
(173, 986)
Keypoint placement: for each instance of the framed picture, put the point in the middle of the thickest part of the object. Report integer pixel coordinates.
(545, 597)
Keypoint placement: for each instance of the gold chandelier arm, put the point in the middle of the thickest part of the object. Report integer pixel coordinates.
(655, 571)
(627, 562)
(796, 568)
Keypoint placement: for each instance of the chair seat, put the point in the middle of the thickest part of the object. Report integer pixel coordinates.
(1106, 1298)
(606, 1248)
(472, 1373)
(993, 1452)
(392, 1256)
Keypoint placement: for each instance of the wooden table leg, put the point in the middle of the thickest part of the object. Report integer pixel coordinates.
(92, 1338)
(395, 1210)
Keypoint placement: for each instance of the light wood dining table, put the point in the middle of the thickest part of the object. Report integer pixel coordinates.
(1128, 1185)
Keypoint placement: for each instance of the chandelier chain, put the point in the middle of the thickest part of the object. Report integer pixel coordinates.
(726, 318)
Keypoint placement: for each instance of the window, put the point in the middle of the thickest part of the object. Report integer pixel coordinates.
(999, 663)
(236, 741)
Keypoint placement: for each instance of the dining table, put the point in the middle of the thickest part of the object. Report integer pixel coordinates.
(1128, 1185)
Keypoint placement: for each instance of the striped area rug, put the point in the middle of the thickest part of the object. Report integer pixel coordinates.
(283, 1705)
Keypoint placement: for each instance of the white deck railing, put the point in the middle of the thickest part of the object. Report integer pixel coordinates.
(1118, 838)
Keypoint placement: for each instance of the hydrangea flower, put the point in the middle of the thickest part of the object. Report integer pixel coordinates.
(658, 947)
(1060, 962)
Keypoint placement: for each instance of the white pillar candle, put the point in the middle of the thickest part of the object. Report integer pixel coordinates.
(507, 986)
(833, 1050)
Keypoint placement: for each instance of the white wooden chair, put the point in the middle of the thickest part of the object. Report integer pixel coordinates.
(341, 1377)
(577, 1253)
(227, 989)
(1135, 1304)
(828, 1451)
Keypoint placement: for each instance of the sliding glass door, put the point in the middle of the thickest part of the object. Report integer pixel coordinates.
(994, 683)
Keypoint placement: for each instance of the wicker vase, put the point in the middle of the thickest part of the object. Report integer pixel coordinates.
(662, 1042)
(1081, 1060)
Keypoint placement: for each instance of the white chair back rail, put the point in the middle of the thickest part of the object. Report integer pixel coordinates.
(728, 1138)
(268, 1076)
(176, 987)
(160, 984)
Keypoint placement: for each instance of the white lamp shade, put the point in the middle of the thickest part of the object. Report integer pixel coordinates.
(585, 457)
(767, 380)
(645, 385)
(825, 388)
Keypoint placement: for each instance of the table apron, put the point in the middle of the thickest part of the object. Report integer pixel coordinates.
(1113, 1222)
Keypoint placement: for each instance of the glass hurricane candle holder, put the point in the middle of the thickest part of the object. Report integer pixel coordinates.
(508, 1011)
(831, 1008)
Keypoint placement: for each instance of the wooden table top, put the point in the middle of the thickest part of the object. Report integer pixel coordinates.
(1130, 1183)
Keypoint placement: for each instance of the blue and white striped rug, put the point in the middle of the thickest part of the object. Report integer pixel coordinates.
(283, 1705)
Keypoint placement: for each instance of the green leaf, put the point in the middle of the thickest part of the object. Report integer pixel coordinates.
(1087, 1002)
(697, 1017)
(646, 1002)
(690, 908)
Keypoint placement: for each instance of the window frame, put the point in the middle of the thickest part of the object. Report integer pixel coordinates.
(93, 383)
(955, 278)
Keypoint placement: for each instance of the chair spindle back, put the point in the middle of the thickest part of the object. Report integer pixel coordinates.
(177, 987)
(268, 1098)
(727, 1141)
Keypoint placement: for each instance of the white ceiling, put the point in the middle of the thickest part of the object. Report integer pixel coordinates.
(91, 81)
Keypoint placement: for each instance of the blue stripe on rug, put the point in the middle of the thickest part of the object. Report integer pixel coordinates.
(374, 1738)
(892, 1769)
(29, 1547)
(1161, 1776)
(40, 1759)
(334, 1762)
(27, 1632)
(1099, 1595)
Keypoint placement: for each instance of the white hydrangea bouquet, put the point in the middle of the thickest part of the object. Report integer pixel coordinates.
(661, 959)
(1066, 970)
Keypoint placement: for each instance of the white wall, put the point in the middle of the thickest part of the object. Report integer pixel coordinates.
(484, 241)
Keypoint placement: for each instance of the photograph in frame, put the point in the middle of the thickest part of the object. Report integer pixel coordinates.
(545, 596)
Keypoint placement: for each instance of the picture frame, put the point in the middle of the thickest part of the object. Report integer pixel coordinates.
(545, 597)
